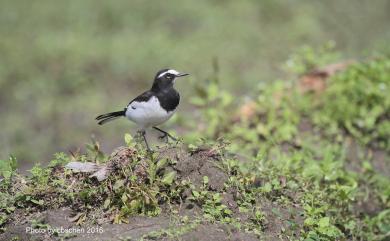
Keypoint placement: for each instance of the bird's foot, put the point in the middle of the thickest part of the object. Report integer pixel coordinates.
(172, 138)
(142, 134)
(164, 136)
(167, 136)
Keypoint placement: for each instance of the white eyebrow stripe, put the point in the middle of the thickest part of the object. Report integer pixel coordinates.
(171, 71)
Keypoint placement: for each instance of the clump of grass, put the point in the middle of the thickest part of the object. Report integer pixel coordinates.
(357, 100)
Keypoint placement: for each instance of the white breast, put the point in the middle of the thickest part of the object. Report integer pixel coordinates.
(148, 114)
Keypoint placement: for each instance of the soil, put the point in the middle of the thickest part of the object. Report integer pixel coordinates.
(189, 165)
(139, 227)
(59, 218)
(280, 221)
(356, 155)
(206, 232)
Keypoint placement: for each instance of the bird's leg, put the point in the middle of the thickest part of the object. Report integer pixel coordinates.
(164, 134)
(143, 134)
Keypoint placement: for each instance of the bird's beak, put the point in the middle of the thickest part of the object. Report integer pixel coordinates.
(182, 74)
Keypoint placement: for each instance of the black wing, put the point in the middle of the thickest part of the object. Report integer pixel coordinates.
(142, 97)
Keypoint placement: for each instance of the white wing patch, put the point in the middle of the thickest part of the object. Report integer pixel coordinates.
(171, 71)
(148, 113)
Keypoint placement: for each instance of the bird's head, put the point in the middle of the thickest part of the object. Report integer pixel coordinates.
(165, 78)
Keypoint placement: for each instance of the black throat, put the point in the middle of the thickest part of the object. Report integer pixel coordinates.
(168, 97)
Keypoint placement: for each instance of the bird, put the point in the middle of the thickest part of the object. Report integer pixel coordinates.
(153, 107)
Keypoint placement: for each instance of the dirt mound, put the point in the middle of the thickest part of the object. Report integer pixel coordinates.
(175, 193)
(195, 165)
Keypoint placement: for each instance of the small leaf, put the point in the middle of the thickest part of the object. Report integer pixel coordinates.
(267, 187)
(124, 198)
(309, 221)
(324, 222)
(128, 139)
(205, 180)
(168, 178)
(107, 203)
(195, 194)
(13, 163)
(118, 184)
(217, 197)
(161, 163)
(40, 202)
(227, 211)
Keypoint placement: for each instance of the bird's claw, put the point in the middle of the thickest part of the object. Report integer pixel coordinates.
(167, 137)
(164, 137)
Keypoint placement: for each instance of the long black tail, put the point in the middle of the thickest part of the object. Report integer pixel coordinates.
(110, 116)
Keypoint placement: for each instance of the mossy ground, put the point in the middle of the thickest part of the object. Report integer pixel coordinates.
(291, 166)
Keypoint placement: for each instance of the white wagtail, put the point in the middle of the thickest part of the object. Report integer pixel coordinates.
(152, 107)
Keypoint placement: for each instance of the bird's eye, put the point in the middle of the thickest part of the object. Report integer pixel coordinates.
(169, 76)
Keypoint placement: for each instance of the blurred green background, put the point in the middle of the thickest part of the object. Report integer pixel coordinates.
(64, 62)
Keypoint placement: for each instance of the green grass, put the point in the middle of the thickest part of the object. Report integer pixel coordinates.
(358, 101)
(63, 63)
(272, 169)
